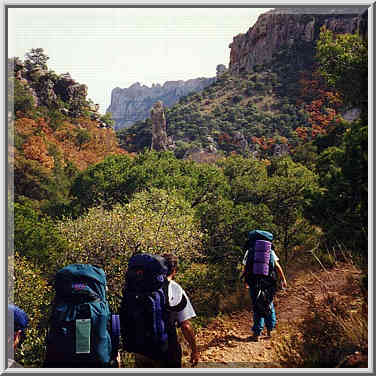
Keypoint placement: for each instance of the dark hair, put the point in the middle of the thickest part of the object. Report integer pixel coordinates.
(171, 261)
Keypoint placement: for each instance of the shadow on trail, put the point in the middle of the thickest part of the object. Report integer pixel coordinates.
(227, 340)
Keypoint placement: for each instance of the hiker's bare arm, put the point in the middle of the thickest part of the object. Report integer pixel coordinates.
(118, 358)
(281, 274)
(189, 335)
(242, 277)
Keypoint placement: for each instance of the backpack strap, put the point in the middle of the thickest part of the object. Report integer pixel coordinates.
(178, 307)
(249, 261)
(115, 332)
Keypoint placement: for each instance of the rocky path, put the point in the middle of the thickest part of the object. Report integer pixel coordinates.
(225, 342)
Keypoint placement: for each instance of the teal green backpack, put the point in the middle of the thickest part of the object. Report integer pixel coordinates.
(80, 324)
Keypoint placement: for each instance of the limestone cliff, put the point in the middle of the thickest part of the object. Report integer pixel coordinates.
(280, 28)
(134, 103)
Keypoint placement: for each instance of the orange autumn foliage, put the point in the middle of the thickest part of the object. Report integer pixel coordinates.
(41, 143)
(321, 103)
(35, 148)
(268, 143)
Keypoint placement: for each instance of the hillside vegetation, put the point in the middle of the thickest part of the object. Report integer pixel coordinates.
(55, 132)
(80, 198)
(229, 115)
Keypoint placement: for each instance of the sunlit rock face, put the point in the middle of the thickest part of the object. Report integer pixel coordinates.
(281, 28)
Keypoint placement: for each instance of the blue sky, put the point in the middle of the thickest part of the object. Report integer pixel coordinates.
(106, 48)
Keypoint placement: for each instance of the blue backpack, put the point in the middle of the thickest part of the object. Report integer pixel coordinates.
(82, 332)
(144, 311)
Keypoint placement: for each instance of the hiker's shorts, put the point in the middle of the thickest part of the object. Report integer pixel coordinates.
(259, 321)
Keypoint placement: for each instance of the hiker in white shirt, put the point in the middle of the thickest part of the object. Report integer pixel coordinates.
(178, 319)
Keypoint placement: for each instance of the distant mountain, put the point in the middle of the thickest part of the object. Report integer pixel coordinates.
(133, 104)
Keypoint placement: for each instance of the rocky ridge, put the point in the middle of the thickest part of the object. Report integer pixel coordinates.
(60, 92)
(134, 103)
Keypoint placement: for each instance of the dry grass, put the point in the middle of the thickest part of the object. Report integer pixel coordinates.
(334, 326)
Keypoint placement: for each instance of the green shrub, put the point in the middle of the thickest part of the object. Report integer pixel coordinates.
(237, 98)
(31, 292)
(107, 119)
(23, 100)
(212, 288)
(82, 137)
(203, 284)
(35, 235)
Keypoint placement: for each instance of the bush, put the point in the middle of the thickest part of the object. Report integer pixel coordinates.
(35, 236)
(157, 222)
(107, 119)
(210, 287)
(201, 282)
(82, 137)
(23, 100)
(237, 98)
(30, 291)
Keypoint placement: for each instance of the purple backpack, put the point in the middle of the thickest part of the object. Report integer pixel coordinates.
(261, 259)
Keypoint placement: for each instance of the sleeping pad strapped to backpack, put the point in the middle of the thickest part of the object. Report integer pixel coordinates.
(82, 332)
(259, 270)
(144, 312)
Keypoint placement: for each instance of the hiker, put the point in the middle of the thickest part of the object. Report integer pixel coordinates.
(260, 265)
(150, 280)
(82, 332)
(17, 323)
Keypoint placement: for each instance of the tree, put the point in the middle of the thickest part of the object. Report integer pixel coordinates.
(341, 207)
(117, 178)
(288, 192)
(82, 137)
(107, 119)
(343, 62)
(36, 57)
(23, 100)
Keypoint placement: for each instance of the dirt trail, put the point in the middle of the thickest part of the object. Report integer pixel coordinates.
(225, 342)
